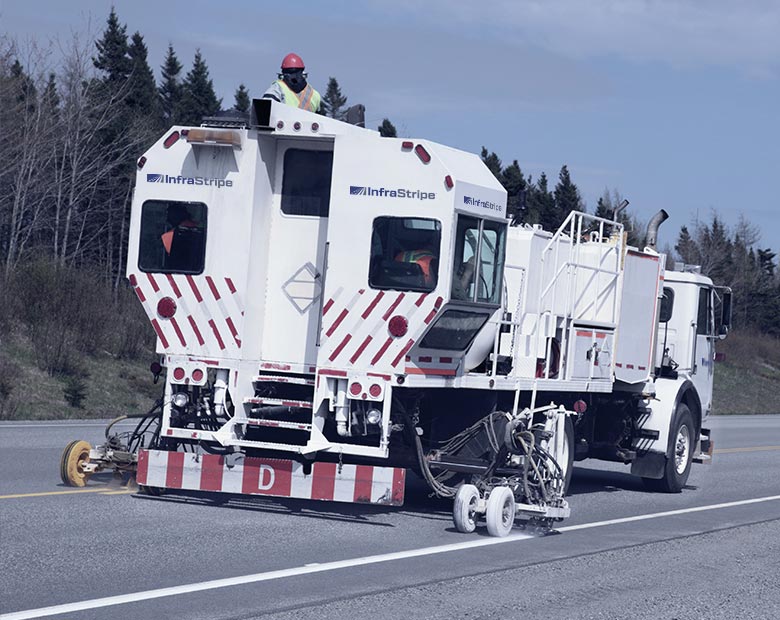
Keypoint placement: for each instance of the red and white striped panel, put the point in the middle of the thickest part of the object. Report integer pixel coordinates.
(355, 327)
(209, 313)
(362, 484)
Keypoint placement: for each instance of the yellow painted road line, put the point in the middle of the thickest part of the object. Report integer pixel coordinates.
(751, 449)
(47, 493)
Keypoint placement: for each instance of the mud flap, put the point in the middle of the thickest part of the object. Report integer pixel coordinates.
(649, 465)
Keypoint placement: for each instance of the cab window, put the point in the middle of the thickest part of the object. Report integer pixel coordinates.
(405, 254)
(478, 269)
(173, 237)
(306, 182)
(704, 318)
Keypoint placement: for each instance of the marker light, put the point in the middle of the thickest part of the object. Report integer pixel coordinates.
(141, 162)
(171, 140)
(398, 326)
(448, 182)
(166, 308)
(315, 127)
(407, 145)
(296, 126)
(424, 156)
(280, 125)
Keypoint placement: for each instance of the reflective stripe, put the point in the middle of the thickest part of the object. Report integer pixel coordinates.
(309, 99)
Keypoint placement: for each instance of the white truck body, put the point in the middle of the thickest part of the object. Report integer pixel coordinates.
(319, 330)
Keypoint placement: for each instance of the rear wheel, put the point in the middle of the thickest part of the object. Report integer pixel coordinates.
(464, 510)
(679, 454)
(74, 457)
(500, 513)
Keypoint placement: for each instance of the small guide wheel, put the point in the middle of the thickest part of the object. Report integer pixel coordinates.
(464, 510)
(75, 456)
(500, 513)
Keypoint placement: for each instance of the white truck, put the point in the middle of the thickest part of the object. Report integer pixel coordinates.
(333, 308)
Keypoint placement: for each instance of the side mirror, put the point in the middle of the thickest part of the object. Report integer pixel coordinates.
(723, 331)
(667, 305)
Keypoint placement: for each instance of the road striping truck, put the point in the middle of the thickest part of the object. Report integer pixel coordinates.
(334, 308)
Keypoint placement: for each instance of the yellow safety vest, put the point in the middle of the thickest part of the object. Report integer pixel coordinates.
(307, 99)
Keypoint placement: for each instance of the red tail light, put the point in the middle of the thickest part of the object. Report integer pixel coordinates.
(179, 374)
(448, 182)
(398, 326)
(197, 375)
(355, 388)
(407, 145)
(375, 390)
(166, 308)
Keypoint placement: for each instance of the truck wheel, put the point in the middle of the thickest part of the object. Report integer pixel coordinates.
(74, 457)
(568, 455)
(464, 510)
(679, 454)
(500, 513)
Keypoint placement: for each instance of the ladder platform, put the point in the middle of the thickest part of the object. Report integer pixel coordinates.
(280, 379)
(295, 426)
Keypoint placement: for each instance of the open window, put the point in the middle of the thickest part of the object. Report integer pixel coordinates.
(704, 318)
(173, 237)
(405, 254)
(478, 269)
(306, 182)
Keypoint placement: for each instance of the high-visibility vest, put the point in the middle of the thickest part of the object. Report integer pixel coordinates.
(307, 99)
(422, 258)
(167, 237)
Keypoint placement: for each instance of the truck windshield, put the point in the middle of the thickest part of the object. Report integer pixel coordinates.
(306, 182)
(478, 268)
(173, 237)
(405, 254)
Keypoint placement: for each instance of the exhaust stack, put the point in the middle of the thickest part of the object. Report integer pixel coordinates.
(652, 228)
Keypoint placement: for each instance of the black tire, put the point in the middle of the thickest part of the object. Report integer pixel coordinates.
(679, 456)
(569, 465)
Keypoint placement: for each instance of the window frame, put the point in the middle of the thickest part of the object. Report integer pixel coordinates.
(205, 236)
(437, 231)
(282, 162)
(501, 238)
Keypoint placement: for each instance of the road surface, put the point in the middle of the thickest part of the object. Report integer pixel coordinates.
(104, 552)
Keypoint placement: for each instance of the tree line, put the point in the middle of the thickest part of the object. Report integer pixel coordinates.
(71, 131)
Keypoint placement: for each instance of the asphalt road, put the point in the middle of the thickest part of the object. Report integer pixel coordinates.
(712, 551)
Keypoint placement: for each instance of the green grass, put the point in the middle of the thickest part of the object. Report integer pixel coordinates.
(113, 386)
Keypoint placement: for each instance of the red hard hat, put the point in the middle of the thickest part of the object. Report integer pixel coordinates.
(292, 61)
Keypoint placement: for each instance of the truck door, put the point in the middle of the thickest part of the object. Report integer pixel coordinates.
(702, 365)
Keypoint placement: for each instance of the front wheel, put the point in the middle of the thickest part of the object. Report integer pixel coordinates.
(500, 513)
(679, 455)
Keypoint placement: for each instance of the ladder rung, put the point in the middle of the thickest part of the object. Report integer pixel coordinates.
(279, 379)
(296, 426)
(255, 400)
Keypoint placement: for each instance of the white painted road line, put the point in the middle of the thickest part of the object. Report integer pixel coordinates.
(331, 566)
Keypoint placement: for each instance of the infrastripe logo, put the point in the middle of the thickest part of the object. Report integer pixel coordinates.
(400, 192)
(482, 204)
(182, 180)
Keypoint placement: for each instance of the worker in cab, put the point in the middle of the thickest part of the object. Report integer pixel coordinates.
(292, 88)
(426, 259)
(182, 238)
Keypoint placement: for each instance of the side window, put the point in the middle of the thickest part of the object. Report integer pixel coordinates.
(173, 237)
(704, 318)
(306, 182)
(478, 268)
(667, 305)
(405, 254)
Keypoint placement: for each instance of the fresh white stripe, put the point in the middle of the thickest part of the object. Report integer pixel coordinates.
(382, 486)
(344, 486)
(300, 484)
(351, 563)
(233, 479)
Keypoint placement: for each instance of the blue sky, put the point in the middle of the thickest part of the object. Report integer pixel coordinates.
(674, 103)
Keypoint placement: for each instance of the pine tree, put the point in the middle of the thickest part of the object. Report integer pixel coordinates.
(50, 99)
(333, 102)
(143, 98)
(198, 96)
(242, 99)
(387, 129)
(686, 247)
(514, 182)
(541, 204)
(567, 198)
(492, 161)
(113, 58)
(170, 88)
